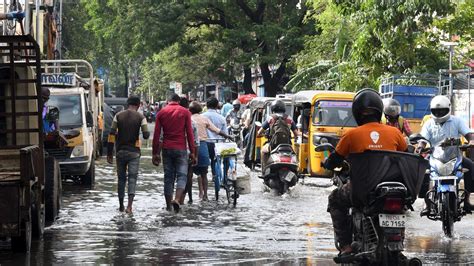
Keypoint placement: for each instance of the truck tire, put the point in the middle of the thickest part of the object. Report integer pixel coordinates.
(22, 243)
(37, 220)
(52, 184)
(88, 179)
(60, 189)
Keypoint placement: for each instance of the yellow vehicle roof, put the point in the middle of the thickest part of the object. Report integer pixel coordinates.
(311, 96)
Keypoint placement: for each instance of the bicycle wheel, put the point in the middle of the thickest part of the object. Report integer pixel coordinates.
(225, 181)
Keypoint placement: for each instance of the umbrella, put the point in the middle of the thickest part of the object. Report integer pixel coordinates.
(244, 99)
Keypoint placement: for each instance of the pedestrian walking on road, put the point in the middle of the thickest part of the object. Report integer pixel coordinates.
(203, 124)
(219, 121)
(125, 134)
(175, 123)
(184, 102)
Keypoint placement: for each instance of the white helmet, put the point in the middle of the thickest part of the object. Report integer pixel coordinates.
(440, 109)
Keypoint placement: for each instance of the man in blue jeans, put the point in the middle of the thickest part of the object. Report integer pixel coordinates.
(175, 123)
(219, 121)
(125, 133)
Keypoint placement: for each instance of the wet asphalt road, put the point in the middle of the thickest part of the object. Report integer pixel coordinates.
(263, 228)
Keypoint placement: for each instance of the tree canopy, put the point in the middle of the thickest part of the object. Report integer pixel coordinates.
(143, 45)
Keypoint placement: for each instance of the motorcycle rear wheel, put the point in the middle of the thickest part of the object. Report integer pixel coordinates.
(447, 215)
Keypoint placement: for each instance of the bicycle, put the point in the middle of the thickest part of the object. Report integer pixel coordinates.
(226, 170)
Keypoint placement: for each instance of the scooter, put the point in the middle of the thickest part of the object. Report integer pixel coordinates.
(447, 197)
(280, 171)
(235, 131)
(379, 211)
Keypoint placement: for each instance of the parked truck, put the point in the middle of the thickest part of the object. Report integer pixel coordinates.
(414, 93)
(73, 92)
(27, 191)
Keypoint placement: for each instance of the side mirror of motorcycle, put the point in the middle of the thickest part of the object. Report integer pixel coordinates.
(414, 138)
(324, 147)
(53, 113)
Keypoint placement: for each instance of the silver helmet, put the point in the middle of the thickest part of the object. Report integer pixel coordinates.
(391, 107)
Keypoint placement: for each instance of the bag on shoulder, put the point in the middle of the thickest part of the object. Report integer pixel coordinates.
(280, 132)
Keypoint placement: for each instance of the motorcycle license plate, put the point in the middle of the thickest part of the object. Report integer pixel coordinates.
(392, 220)
(288, 176)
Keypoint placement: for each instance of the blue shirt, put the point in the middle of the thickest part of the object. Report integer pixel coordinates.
(226, 109)
(454, 127)
(219, 121)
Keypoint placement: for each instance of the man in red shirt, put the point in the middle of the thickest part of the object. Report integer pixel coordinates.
(173, 124)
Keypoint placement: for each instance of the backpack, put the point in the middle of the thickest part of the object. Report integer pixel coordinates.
(280, 132)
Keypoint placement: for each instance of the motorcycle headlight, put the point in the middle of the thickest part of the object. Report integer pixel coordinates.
(78, 151)
(447, 168)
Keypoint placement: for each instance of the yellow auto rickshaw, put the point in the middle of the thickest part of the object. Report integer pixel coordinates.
(321, 117)
(254, 143)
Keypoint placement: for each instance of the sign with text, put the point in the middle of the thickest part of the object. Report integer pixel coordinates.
(58, 79)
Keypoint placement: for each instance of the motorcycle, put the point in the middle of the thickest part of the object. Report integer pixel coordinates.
(235, 130)
(446, 197)
(382, 193)
(280, 172)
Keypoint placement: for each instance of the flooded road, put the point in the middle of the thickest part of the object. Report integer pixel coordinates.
(263, 228)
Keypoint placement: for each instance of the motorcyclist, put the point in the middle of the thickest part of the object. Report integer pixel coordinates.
(235, 113)
(443, 125)
(392, 117)
(49, 125)
(278, 110)
(367, 110)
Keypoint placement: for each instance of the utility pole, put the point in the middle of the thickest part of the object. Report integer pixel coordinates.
(59, 41)
(4, 22)
(37, 7)
(450, 46)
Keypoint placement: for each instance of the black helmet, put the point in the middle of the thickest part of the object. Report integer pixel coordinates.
(278, 106)
(367, 106)
(236, 104)
(391, 107)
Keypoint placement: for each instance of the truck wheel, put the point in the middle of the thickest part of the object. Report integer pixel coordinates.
(60, 190)
(37, 210)
(52, 183)
(22, 243)
(89, 178)
(37, 220)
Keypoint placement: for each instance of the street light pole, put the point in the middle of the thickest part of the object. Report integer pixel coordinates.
(450, 45)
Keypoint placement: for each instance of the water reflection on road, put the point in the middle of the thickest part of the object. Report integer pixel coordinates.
(263, 228)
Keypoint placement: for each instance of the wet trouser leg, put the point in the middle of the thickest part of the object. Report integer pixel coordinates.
(175, 164)
(468, 182)
(122, 176)
(264, 156)
(212, 155)
(339, 202)
(133, 165)
(127, 168)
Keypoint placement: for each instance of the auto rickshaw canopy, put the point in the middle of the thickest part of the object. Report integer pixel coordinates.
(311, 96)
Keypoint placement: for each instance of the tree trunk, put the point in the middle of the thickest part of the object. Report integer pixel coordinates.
(269, 81)
(247, 85)
(125, 73)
